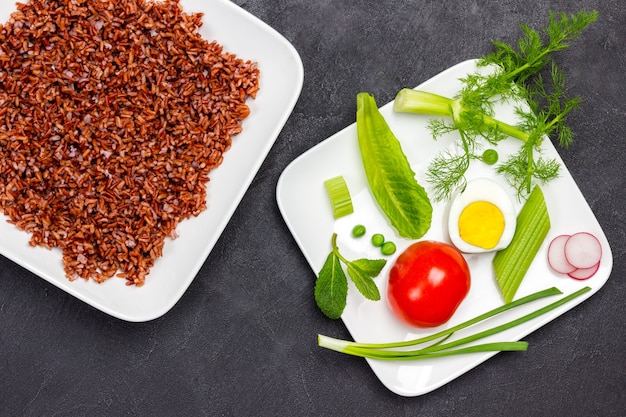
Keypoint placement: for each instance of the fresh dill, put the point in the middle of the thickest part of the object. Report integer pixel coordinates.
(527, 74)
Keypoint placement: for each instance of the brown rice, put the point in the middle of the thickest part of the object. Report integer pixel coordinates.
(112, 115)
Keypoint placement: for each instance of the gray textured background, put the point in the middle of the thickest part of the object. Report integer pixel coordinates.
(241, 341)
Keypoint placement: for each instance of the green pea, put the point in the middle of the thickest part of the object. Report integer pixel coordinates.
(388, 248)
(490, 156)
(358, 230)
(378, 240)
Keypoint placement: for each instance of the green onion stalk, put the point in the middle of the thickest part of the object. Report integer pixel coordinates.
(389, 351)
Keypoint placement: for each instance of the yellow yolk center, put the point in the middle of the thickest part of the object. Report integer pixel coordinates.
(481, 224)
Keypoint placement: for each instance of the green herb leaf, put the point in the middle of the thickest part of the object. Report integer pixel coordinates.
(331, 287)
(369, 267)
(389, 174)
(362, 272)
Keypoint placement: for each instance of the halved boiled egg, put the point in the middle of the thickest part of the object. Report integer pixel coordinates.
(482, 217)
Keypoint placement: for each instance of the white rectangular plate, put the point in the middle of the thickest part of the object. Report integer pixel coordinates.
(306, 209)
(281, 77)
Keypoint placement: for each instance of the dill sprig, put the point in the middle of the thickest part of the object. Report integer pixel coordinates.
(519, 77)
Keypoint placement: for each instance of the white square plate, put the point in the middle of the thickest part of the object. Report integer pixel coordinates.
(281, 77)
(306, 209)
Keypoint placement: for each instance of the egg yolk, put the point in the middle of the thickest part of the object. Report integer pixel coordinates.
(481, 224)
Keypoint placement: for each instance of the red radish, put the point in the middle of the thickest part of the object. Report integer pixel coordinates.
(583, 250)
(576, 255)
(584, 273)
(556, 255)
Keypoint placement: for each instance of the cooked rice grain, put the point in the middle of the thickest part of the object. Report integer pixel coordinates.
(112, 115)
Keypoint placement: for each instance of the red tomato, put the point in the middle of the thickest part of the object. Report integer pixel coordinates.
(427, 283)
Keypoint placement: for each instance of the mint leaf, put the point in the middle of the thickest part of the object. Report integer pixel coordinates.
(331, 287)
(362, 272)
(371, 267)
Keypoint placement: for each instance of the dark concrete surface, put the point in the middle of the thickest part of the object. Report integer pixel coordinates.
(242, 340)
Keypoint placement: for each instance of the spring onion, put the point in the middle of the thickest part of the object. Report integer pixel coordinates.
(385, 351)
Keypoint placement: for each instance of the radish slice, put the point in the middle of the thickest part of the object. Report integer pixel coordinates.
(583, 250)
(584, 273)
(556, 255)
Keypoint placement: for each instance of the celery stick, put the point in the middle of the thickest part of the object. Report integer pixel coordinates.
(339, 196)
(512, 263)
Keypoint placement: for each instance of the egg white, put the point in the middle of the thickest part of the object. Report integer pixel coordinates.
(482, 189)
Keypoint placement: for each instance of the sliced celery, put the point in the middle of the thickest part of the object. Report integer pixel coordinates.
(512, 263)
(339, 196)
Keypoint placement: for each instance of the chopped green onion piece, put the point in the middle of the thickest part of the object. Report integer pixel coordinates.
(512, 263)
(339, 196)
